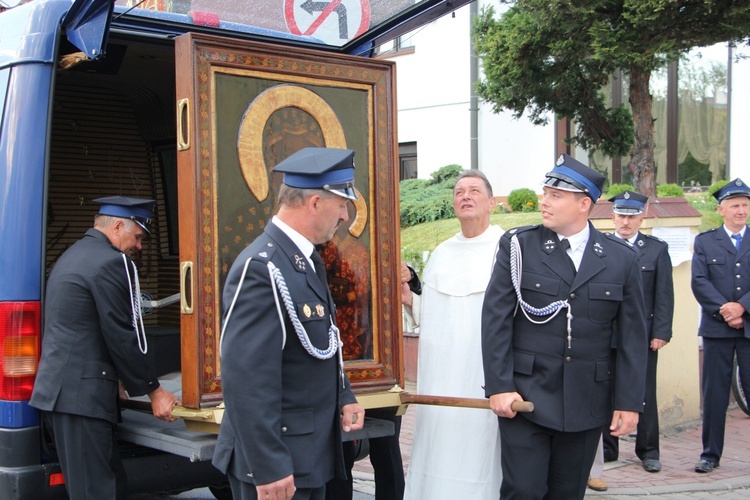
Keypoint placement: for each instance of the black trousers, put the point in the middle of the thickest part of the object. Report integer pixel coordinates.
(718, 355)
(647, 437)
(89, 458)
(542, 463)
(385, 456)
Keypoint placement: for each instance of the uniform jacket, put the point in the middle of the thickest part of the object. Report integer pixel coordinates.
(282, 404)
(658, 290)
(570, 387)
(721, 274)
(89, 340)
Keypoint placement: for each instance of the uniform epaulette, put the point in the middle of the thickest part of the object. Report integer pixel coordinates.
(652, 237)
(516, 230)
(707, 231)
(613, 237)
(264, 254)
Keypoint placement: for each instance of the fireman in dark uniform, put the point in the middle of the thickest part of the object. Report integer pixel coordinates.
(556, 292)
(658, 293)
(721, 285)
(93, 339)
(286, 393)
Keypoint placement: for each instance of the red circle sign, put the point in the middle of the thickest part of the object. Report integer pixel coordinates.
(328, 20)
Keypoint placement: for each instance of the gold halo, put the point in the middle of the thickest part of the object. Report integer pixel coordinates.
(250, 138)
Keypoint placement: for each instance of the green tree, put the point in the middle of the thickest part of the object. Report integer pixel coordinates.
(544, 56)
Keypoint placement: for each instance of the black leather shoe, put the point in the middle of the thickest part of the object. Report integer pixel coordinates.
(705, 466)
(651, 465)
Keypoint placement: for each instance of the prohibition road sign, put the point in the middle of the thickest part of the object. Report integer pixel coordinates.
(333, 21)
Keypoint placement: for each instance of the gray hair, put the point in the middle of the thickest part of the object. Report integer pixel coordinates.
(104, 221)
(479, 175)
(293, 197)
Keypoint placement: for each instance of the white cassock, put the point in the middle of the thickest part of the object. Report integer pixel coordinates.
(456, 451)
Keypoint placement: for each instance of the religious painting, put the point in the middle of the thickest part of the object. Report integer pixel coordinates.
(245, 108)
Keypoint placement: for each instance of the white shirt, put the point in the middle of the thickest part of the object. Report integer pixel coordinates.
(578, 243)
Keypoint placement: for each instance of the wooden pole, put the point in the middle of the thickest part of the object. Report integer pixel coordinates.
(424, 399)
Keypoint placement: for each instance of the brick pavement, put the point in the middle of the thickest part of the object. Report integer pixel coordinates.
(680, 450)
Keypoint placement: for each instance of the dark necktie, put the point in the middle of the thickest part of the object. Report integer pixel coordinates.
(737, 240)
(320, 268)
(565, 244)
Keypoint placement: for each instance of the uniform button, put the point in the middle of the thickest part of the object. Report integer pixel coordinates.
(104, 373)
(643, 267)
(737, 264)
(652, 315)
(572, 295)
(567, 359)
(738, 276)
(150, 383)
(284, 429)
(739, 288)
(607, 294)
(538, 285)
(713, 260)
(251, 475)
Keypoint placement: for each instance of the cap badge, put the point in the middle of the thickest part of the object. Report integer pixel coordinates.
(626, 195)
(738, 182)
(320, 310)
(560, 160)
(306, 311)
(300, 262)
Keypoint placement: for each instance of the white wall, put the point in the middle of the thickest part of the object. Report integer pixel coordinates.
(433, 98)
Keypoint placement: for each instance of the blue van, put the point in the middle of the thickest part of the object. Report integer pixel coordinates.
(187, 102)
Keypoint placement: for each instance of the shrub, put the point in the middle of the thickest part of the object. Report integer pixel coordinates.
(428, 200)
(523, 200)
(670, 191)
(615, 189)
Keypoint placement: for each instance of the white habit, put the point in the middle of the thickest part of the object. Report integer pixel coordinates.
(456, 451)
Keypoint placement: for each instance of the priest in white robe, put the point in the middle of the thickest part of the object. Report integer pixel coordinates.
(456, 451)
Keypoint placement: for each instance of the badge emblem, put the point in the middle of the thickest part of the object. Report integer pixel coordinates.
(738, 182)
(640, 243)
(560, 160)
(306, 311)
(300, 262)
(263, 254)
(626, 195)
(598, 248)
(320, 310)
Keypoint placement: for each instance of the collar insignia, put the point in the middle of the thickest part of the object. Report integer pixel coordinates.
(300, 263)
(640, 243)
(598, 249)
(549, 245)
(263, 254)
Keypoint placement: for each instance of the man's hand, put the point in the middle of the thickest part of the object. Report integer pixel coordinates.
(283, 489)
(657, 344)
(162, 402)
(407, 296)
(500, 403)
(623, 422)
(352, 417)
(732, 313)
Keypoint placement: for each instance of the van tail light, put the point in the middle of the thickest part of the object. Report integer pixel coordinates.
(20, 328)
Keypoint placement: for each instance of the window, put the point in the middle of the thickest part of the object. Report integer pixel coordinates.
(407, 159)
